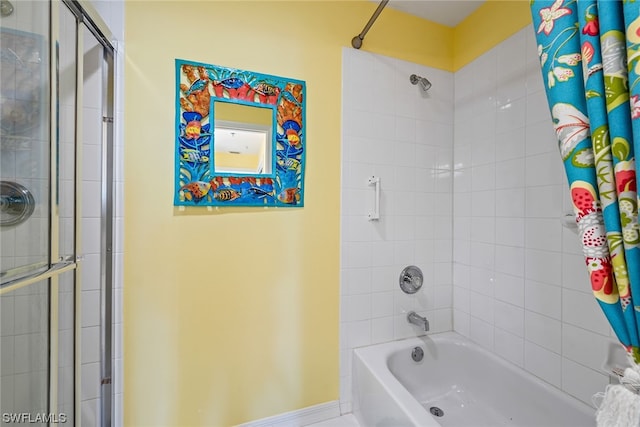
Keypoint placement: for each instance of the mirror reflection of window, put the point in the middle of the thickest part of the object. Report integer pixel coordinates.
(243, 139)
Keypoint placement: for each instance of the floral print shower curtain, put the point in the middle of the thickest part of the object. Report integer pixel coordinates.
(589, 54)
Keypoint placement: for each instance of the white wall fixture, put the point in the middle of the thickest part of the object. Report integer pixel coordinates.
(375, 215)
(568, 220)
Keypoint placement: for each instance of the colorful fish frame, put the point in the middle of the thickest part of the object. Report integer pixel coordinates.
(197, 183)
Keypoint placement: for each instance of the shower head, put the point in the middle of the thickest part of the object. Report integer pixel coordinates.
(424, 83)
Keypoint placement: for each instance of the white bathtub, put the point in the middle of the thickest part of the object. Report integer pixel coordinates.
(472, 386)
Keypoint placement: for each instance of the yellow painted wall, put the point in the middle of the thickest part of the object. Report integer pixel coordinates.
(233, 314)
(242, 113)
(248, 162)
(487, 26)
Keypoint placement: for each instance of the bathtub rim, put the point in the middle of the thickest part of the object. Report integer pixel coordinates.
(375, 358)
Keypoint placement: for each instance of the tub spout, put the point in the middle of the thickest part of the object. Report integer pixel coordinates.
(418, 320)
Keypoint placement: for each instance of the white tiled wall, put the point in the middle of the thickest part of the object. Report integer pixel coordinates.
(520, 285)
(393, 130)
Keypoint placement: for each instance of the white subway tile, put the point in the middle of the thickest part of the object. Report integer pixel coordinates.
(511, 115)
(90, 344)
(544, 169)
(462, 228)
(461, 322)
(482, 280)
(483, 178)
(382, 304)
(543, 331)
(90, 308)
(424, 251)
(510, 203)
(571, 242)
(358, 333)
(461, 275)
(541, 138)
(382, 253)
(544, 202)
(482, 255)
(509, 318)
(461, 299)
(483, 229)
(509, 289)
(510, 54)
(585, 347)
(510, 174)
(481, 307)
(543, 363)
(537, 108)
(581, 309)
(481, 332)
(461, 251)
(509, 144)
(90, 412)
(461, 157)
(543, 299)
(543, 266)
(574, 273)
(483, 203)
(443, 250)
(358, 307)
(405, 130)
(582, 382)
(403, 303)
(509, 346)
(510, 260)
(356, 255)
(443, 297)
(543, 234)
(382, 329)
(442, 274)
(356, 281)
(510, 232)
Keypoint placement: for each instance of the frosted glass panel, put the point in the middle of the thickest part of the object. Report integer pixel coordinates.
(24, 140)
(24, 350)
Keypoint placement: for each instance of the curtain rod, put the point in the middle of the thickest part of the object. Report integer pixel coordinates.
(357, 40)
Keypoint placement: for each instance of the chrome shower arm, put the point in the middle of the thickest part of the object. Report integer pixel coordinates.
(357, 40)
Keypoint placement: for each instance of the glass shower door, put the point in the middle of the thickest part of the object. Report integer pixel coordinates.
(25, 221)
(56, 120)
(24, 128)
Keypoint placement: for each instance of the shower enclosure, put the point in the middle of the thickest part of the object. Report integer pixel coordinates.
(56, 151)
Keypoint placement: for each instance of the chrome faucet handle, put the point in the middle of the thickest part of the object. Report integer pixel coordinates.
(410, 279)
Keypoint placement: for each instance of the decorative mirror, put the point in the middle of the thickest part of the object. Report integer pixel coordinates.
(240, 137)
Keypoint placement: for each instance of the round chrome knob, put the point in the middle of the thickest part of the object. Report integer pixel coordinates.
(411, 279)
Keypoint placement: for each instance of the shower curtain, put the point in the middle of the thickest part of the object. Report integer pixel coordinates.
(589, 53)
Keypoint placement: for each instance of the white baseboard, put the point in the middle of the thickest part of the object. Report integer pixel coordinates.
(299, 418)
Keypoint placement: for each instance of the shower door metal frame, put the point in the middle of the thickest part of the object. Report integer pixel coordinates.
(86, 18)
